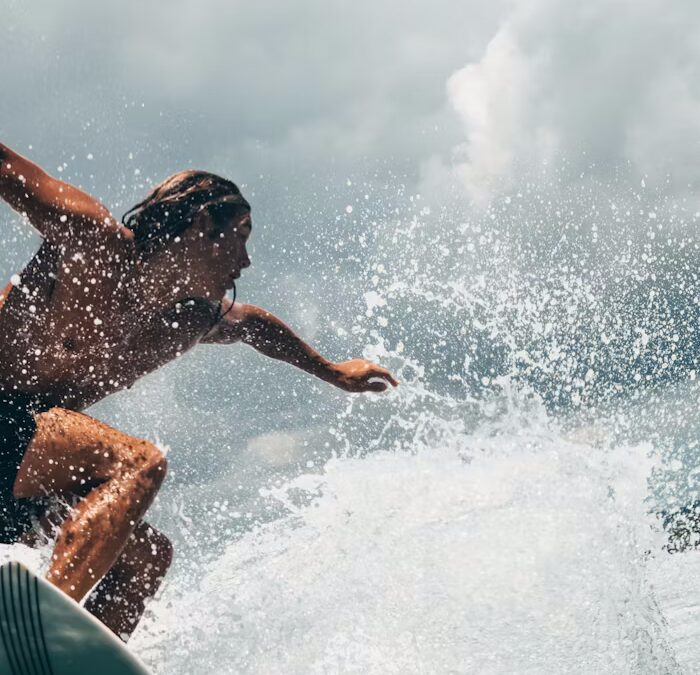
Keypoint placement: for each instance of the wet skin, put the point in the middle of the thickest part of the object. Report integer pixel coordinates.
(89, 316)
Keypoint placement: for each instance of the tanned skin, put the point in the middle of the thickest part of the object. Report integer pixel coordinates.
(89, 317)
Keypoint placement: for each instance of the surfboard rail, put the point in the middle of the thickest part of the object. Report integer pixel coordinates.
(44, 632)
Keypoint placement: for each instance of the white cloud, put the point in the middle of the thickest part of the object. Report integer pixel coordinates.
(605, 83)
(271, 85)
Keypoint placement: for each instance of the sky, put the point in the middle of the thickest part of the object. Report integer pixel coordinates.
(310, 89)
(336, 119)
(606, 83)
(252, 89)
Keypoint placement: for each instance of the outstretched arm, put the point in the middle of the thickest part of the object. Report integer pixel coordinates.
(59, 211)
(270, 336)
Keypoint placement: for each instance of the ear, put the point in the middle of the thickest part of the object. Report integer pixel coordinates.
(201, 224)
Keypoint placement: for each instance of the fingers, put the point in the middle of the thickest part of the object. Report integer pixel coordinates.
(384, 373)
(376, 386)
(367, 376)
(392, 380)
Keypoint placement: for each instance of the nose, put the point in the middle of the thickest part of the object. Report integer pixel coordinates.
(245, 262)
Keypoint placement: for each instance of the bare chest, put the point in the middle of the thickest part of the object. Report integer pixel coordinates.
(157, 341)
(69, 328)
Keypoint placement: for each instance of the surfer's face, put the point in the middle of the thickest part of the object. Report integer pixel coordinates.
(221, 251)
(230, 248)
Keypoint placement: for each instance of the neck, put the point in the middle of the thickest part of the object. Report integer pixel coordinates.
(162, 279)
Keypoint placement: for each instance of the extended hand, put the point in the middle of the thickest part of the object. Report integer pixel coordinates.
(355, 376)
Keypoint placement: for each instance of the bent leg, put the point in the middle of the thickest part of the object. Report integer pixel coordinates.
(120, 598)
(117, 477)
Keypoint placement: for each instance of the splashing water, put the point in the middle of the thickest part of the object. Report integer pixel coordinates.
(491, 553)
(496, 513)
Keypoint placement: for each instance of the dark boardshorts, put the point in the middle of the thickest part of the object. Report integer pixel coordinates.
(17, 426)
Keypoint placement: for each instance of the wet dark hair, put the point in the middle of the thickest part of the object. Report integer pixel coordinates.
(171, 206)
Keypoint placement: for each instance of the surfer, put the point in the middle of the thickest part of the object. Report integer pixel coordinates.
(101, 304)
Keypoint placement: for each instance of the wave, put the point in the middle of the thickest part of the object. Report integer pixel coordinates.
(522, 550)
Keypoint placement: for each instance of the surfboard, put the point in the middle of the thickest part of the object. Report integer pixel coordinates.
(44, 632)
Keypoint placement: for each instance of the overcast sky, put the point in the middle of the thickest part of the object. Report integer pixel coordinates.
(607, 83)
(269, 88)
(310, 90)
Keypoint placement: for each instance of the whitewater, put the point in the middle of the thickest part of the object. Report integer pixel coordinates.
(502, 510)
(515, 552)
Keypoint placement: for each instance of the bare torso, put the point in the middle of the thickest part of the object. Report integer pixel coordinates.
(72, 332)
(89, 316)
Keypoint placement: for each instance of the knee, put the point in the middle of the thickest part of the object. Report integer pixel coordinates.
(152, 463)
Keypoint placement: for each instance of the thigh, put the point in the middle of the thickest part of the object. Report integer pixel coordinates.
(71, 452)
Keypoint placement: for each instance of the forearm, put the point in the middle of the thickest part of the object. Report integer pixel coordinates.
(59, 211)
(17, 172)
(23, 185)
(8, 155)
(273, 338)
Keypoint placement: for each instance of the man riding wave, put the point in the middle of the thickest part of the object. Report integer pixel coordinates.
(101, 304)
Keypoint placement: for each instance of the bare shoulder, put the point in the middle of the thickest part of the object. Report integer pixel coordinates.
(229, 325)
(58, 210)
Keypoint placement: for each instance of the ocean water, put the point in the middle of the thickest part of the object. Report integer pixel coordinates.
(501, 511)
